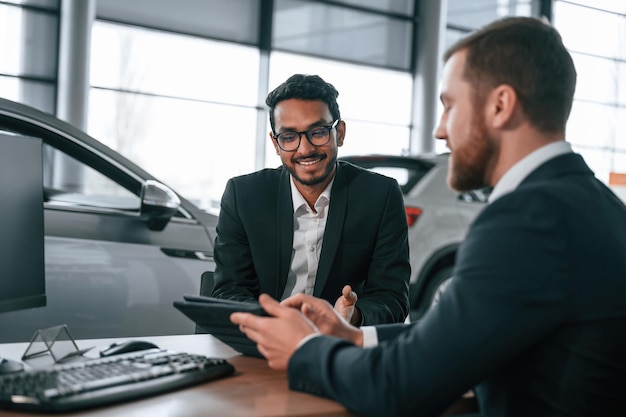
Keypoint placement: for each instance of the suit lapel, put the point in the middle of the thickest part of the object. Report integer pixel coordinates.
(284, 220)
(332, 234)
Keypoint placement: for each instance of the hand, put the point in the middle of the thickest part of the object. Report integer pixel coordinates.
(346, 306)
(327, 320)
(277, 336)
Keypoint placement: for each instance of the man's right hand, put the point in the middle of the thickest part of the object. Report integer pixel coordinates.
(325, 318)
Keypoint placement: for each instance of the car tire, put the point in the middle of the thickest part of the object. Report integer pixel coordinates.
(435, 287)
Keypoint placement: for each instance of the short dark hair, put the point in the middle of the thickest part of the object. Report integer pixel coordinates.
(528, 54)
(304, 87)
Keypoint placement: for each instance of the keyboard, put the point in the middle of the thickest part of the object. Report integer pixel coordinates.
(108, 380)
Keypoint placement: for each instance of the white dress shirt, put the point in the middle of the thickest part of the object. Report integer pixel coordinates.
(308, 236)
(516, 174)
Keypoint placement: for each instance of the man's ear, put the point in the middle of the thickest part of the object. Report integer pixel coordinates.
(341, 132)
(501, 105)
(275, 143)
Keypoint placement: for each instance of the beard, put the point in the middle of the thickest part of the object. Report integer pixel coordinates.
(469, 162)
(313, 180)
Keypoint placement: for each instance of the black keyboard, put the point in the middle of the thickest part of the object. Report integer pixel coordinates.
(105, 381)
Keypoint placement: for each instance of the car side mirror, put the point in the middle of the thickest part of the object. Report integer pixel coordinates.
(158, 203)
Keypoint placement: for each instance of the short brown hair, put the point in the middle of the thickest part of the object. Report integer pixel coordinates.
(527, 54)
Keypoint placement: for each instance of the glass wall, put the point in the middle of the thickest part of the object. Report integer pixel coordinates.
(331, 31)
(596, 126)
(185, 101)
(375, 103)
(28, 47)
(465, 16)
(162, 100)
(179, 87)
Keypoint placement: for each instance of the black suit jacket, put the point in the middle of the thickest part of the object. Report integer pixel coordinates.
(534, 318)
(365, 241)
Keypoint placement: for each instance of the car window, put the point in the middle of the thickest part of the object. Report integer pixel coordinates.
(407, 172)
(69, 182)
(399, 174)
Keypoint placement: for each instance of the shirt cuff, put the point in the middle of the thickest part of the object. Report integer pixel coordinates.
(307, 338)
(370, 336)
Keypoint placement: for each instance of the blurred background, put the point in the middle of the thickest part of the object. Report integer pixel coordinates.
(178, 86)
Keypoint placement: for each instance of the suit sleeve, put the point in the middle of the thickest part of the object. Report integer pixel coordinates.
(385, 297)
(509, 291)
(235, 276)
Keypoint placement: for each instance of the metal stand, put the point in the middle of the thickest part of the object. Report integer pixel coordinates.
(57, 341)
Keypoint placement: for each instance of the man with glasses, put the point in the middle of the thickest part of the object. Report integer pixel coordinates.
(315, 225)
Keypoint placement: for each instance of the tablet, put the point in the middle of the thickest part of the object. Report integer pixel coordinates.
(213, 315)
(220, 304)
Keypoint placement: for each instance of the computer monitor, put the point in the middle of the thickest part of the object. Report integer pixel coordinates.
(22, 268)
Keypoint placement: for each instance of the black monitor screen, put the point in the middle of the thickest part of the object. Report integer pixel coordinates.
(22, 276)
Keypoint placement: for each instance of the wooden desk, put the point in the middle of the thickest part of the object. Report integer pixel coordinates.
(254, 391)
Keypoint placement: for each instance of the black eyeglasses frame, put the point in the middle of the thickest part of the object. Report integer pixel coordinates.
(330, 127)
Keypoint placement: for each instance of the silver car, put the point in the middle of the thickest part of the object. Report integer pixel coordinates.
(438, 219)
(120, 246)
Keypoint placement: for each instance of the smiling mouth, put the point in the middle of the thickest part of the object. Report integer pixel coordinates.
(309, 161)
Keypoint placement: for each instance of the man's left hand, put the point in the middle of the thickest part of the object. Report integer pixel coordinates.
(345, 306)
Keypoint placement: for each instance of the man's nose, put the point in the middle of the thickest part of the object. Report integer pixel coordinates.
(440, 132)
(305, 144)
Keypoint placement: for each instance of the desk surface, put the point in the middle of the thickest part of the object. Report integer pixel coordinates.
(254, 390)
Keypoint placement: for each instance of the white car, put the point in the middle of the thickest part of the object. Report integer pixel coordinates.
(438, 219)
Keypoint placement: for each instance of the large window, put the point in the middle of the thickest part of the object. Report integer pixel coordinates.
(232, 20)
(596, 126)
(28, 47)
(179, 87)
(375, 103)
(465, 16)
(325, 30)
(181, 107)
(188, 109)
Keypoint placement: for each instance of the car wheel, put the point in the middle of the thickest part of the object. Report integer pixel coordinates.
(440, 290)
(436, 287)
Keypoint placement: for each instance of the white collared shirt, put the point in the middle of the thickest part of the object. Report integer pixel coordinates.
(516, 174)
(308, 235)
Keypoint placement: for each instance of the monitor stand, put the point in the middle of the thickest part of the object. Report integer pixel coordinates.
(8, 366)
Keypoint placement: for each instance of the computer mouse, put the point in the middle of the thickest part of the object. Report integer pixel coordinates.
(126, 347)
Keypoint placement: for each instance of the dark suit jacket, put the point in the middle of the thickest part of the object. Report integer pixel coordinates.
(535, 316)
(365, 242)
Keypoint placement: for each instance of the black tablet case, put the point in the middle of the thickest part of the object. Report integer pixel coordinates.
(213, 315)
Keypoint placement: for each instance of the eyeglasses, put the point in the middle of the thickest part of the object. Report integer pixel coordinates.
(289, 140)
